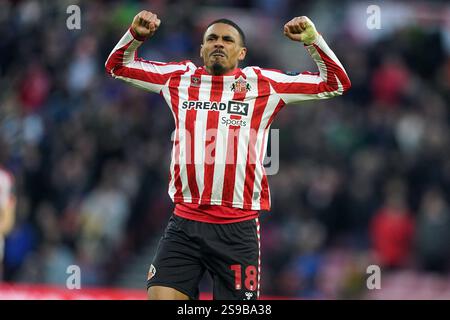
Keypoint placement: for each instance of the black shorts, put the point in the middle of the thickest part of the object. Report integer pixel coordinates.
(229, 252)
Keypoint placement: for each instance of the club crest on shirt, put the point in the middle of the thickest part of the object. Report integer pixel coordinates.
(240, 86)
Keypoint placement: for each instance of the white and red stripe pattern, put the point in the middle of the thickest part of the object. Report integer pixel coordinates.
(331, 81)
(124, 64)
(222, 122)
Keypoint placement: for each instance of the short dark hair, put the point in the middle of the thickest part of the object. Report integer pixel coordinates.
(230, 23)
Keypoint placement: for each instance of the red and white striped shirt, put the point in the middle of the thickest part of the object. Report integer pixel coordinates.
(222, 122)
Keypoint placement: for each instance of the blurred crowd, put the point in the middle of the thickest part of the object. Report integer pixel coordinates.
(364, 178)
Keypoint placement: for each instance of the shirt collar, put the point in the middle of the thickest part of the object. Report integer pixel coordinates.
(235, 72)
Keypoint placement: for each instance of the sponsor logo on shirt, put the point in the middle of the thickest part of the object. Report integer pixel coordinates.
(204, 105)
(238, 108)
(233, 121)
(232, 107)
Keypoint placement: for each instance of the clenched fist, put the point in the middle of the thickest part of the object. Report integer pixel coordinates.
(145, 24)
(301, 29)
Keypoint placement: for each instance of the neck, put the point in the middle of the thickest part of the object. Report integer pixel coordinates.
(217, 72)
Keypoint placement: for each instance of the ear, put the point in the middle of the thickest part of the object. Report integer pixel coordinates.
(242, 54)
(201, 51)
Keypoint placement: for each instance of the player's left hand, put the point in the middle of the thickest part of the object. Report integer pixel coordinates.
(301, 29)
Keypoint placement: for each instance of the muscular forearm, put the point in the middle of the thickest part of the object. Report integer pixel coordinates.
(124, 65)
(330, 81)
(144, 25)
(123, 53)
(331, 71)
(330, 68)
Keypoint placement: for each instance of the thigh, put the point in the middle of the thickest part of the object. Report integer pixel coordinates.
(177, 262)
(233, 260)
(165, 293)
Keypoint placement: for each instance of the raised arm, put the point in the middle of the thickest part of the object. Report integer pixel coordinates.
(330, 81)
(124, 64)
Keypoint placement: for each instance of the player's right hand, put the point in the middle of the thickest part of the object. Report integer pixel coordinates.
(145, 24)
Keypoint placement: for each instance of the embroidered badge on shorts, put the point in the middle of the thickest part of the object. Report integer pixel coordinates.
(151, 272)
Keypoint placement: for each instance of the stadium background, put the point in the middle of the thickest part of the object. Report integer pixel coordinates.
(364, 178)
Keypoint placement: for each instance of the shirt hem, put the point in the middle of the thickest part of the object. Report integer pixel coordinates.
(230, 204)
(216, 220)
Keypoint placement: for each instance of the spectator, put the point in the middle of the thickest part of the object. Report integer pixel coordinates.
(433, 232)
(62, 121)
(392, 228)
